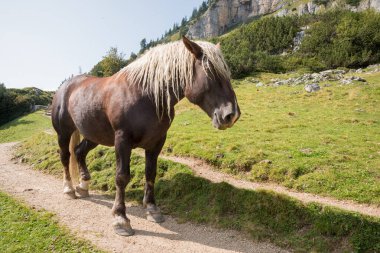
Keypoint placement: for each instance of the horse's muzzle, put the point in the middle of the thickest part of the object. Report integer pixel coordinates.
(226, 117)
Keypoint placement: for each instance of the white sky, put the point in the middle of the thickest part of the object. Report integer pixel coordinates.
(44, 41)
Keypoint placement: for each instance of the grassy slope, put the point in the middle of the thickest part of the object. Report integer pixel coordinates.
(25, 230)
(260, 214)
(23, 127)
(179, 192)
(326, 142)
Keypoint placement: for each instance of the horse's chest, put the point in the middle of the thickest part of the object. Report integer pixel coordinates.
(147, 135)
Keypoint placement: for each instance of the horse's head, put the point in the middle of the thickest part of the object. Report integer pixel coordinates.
(211, 90)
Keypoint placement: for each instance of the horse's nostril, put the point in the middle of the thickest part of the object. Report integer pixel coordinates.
(228, 117)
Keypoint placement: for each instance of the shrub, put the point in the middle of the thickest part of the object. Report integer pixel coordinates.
(320, 2)
(344, 39)
(256, 45)
(335, 39)
(353, 2)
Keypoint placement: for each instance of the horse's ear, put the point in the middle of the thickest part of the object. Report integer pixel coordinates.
(218, 46)
(193, 47)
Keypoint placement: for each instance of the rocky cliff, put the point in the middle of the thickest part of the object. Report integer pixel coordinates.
(225, 14)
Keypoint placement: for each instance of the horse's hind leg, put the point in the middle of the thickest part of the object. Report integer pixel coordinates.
(152, 211)
(81, 152)
(64, 143)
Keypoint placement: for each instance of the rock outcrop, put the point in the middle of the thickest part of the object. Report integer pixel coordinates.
(312, 81)
(225, 14)
(366, 4)
(308, 8)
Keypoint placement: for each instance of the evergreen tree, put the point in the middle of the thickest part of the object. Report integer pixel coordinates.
(194, 14)
(202, 8)
(142, 45)
(184, 22)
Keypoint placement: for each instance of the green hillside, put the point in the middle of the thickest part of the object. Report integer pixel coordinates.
(23, 127)
(16, 102)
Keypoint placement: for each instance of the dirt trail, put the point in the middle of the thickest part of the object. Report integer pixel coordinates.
(91, 218)
(206, 171)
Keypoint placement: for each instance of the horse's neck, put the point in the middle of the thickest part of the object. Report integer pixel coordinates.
(175, 98)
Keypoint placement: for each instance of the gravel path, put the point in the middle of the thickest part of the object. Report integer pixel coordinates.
(91, 218)
(206, 171)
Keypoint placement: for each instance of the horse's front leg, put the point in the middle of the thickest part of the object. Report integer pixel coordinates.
(123, 149)
(151, 156)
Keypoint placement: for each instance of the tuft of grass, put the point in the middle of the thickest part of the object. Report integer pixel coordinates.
(326, 143)
(24, 127)
(25, 230)
(262, 215)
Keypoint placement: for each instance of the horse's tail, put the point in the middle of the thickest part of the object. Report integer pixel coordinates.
(74, 166)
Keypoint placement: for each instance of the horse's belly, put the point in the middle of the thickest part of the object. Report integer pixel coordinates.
(94, 125)
(97, 131)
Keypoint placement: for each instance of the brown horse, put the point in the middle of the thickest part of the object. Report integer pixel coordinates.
(134, 108)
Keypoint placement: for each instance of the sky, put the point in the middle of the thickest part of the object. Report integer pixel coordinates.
(42, 42)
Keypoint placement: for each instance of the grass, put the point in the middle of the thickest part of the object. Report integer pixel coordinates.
(262, 215)
(24, 127)
(25, 230)
(326, 143)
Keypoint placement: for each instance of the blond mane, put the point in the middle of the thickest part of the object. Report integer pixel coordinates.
(169, 68)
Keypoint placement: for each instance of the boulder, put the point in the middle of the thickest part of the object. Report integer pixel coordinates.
(346, 81)
(313, 87)
(358, 78)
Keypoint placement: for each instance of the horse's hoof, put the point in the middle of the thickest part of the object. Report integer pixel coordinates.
(124, 231)
(157, 218)
(70, 195)
(153, 214)
(82, 192)
(123, 227)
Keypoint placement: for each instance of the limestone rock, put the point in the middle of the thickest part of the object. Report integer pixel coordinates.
(224, 14)
(313, 87)
(308, 8)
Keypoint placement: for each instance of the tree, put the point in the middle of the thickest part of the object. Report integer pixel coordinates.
(2, 90)
(203, 8)
(142, 45)
(175, 27)
(184, 21)
(194, 14)
(110, 64)
(133, 56)
(183, 30)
